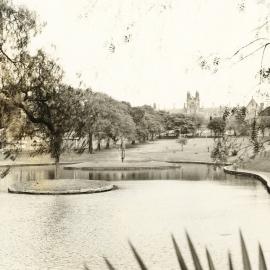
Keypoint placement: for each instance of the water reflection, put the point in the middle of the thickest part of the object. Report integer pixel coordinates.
(189, 172)
(186, 172)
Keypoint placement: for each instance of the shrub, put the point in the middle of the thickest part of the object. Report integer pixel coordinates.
(183, 141)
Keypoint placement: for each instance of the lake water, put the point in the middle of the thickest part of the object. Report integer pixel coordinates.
(63, 232)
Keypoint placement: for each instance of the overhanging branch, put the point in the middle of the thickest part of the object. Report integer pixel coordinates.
(265, 46)
(9, 59)
(247, 45)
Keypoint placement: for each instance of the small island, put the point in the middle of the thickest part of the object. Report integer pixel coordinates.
(60, 186)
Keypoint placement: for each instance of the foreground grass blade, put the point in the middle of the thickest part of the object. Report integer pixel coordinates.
(137, 256)
(109, 265)
(245, 257)
(230, 261)
(195, 258)
(210, 261)
(262, 264)
(193, 252)
(86, 267)
(179, 255)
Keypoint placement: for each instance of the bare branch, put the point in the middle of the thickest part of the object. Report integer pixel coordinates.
(268, 43)
(9, 59)
(250, 43)
(260, 26)
(36, 120)
(250, 54)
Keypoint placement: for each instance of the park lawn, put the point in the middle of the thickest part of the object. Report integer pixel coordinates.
(260, 163)
(197, 149)
(161, 150)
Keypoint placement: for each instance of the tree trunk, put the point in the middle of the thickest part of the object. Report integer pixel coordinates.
(55, 149)
(108, 143)
(1, 28)
(133, 142)
(99, 144)
(90, 142)
(57, 170)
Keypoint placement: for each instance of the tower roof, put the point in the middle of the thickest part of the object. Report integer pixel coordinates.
(252, 103)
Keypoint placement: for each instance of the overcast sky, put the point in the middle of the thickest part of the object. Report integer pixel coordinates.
(146, 51)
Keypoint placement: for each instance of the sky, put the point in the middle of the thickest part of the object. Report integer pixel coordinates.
(147, 51)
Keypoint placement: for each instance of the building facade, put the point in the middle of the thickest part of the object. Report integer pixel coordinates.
(253, 109)
(192, 105)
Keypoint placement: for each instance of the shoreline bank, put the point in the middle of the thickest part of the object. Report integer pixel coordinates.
(263, 177)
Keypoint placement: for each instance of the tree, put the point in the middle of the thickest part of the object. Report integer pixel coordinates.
(50, 106)
(121, 124)
(153, 122)
(95, 115)
(258, 45)
(183, 141)
(191, 124)
(17, 26)
(237, 121)
(264, 123)
(105, 118)
(176, 122)
(220, 151)
(149, 123)
(138, 114)
(183, 124)
(217, 125)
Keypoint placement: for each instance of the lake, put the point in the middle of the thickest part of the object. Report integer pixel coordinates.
(63, 232)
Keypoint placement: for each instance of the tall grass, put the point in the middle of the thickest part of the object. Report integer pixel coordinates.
(195, 258)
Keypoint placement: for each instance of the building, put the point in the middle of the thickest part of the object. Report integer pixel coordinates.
(253, 109)
(192, 105)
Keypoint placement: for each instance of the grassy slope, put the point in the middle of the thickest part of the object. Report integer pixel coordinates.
(261, 163)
